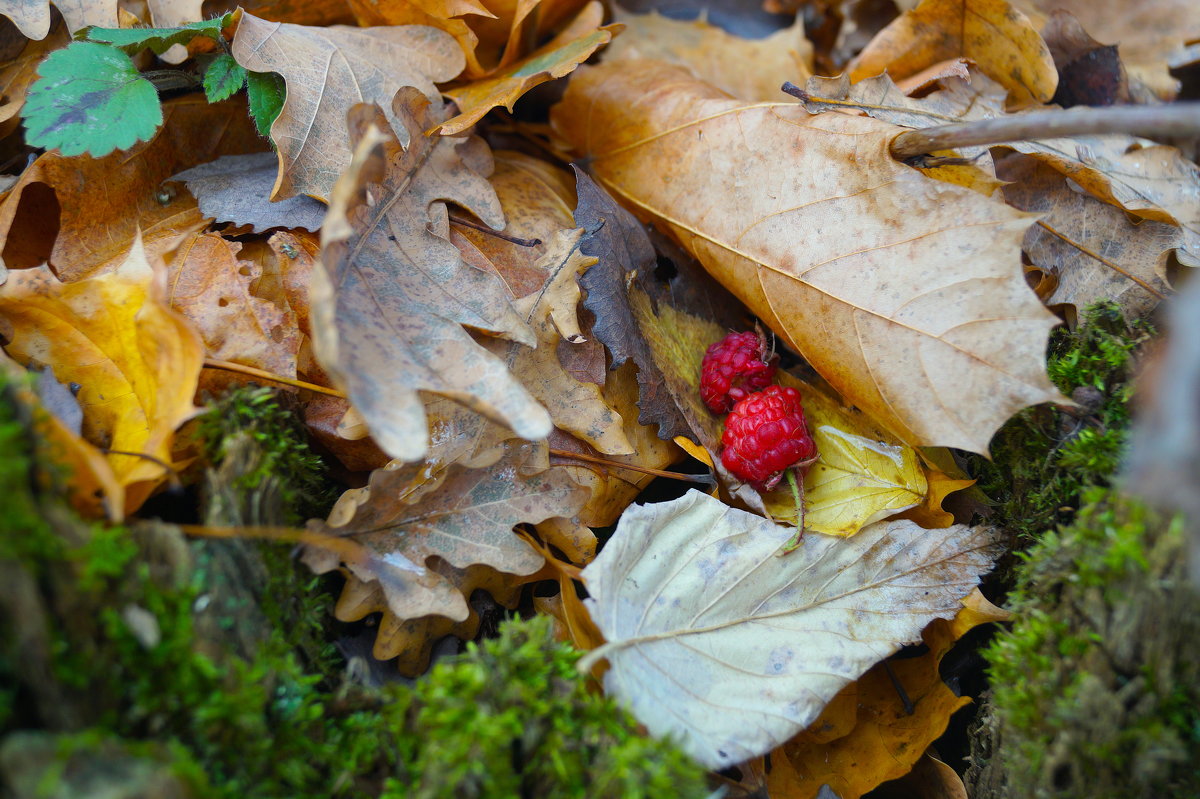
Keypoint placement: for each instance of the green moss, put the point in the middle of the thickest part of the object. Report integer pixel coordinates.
(1096, 688)
(1045, 456)
(285, 467)
(108, 650)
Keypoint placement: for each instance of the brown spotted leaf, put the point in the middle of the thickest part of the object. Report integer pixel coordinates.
(906, 293)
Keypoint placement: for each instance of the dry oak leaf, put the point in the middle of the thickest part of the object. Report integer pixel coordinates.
(299, 12)
(328, 70)
(867, 735)
(862, 474)
(558, 57)
(137, 361)
(1151, 181)
(391, 294)
(575, 406)
(748, 69)
(992, 33)
(32, 17)
(461, 516)
(717, 640)
(81, 215)
(209, 285)
(537, 198)
(1091, 249)
(921, 319)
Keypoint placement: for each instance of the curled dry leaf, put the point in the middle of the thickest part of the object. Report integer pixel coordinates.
(1147, 33)
(866, 735)
(209, 285)
(32, 17)
(328, 70)
(748, 69)
(392, 293)
(623, 250)
(716, 639)
(575, 406)
(992, 33)
(558, 57)
(463, 516)
(81, 215)
(1091, 249)
(917, 311)
(136, 361)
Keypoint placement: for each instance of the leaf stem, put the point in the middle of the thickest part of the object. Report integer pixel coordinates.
(229, 366)
(798, 498)
(1150, 121)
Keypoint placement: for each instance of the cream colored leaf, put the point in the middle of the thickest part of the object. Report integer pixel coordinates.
(748, 69)
(717, 639)
(328, 70)
(391, 294)
(904, 292)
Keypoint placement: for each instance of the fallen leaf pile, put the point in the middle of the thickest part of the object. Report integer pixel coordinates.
(501, 352)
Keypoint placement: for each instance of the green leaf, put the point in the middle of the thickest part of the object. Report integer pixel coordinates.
(223, 77)
(157, 39)
(90, 99)
(267, 93)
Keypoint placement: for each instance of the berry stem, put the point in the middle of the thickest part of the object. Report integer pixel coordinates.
(797, 495)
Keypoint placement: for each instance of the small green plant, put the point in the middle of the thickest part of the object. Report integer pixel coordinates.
(91, 97)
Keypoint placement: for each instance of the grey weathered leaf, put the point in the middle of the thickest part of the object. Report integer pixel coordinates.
(717, 639)
(237, 189)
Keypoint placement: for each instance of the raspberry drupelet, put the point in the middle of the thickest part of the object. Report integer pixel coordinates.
(733, 368)
(765, 435)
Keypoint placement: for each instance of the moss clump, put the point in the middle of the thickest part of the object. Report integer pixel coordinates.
(1044, 456)
(535, 729)
(104, 646)
(260, 447)
(1096, 688)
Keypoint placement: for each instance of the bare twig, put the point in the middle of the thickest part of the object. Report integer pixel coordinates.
(229, 366)
(705, 479)
(458, 220)
(1150, 121)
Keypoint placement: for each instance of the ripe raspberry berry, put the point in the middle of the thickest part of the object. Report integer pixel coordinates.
(733, 368)
(765, 435)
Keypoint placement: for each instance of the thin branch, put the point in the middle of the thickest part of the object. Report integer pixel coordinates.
(229, 366)
(458, 220)
(1149, 121)
(704, 479)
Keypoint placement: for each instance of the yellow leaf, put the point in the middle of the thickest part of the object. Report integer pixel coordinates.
(136, 361)
(862, 475)
(992, 33)
(559, 57)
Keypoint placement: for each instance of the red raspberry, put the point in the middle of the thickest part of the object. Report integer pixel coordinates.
(733, 368)
(765, 434)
